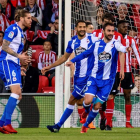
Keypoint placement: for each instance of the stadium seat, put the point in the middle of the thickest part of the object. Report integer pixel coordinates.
(136, 9)
(136, 21)
(53, 81)
(48, 90)
(43, 82)
(36, 49)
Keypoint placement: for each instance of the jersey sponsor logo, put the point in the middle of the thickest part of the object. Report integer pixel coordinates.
(104, 57)
(11, 34)
(79, 50)
(13, 73)
(89, 83)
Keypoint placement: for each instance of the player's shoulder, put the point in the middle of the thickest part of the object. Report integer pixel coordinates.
(117, 33)
(97, 31)
(73, 39)
(12, 27)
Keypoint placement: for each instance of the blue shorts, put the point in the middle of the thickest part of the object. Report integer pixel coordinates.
(10, 73)
(99, 88)
(79, 87)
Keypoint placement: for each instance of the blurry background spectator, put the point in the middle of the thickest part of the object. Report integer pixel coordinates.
(4, 22)
(123, 15)
(111, 8)
(46, 58)
(136, 89)
(36, 14)
(89, 27)
(31, 80)
(51, 12)
(53, 37)
(7, 9)
(100, 12)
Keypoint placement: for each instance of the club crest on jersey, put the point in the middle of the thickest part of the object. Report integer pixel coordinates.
(79, 50)
(104, 57)
(11, 34)
(87, 40)
(112, 45)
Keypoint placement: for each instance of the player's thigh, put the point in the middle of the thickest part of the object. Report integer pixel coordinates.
(128, 81)
(114, 90)
(16, 89)
(104, 91)
(91, 90)
(80, 102)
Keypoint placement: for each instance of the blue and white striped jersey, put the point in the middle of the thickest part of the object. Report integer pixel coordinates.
(103, 57)
(78, 46)
(14, 34)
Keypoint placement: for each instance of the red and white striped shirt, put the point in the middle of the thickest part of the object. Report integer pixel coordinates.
(99, 33)
(45, 60)
(4, 22)
(129, 42)
(41, 4)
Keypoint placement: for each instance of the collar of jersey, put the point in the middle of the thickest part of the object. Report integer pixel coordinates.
(19, 27)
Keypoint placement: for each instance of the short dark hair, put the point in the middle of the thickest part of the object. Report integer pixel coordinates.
(47, 41)
(108, 16)
(2, 33)
(78, 21)
(88, 23)
(108, 24)
(122, 22)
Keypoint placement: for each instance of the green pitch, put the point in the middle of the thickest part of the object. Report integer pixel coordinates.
(73, 134)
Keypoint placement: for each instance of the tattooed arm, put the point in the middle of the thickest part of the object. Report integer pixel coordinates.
(23, 57)
(6, 48)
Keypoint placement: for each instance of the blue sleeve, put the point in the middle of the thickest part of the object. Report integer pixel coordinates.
(83, 55)
(69, 47)
(10, 33)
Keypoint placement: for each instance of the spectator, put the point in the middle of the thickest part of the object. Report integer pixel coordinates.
(41, 4)
(111, 8)
(8, 9)
(123, 15)
(136, 88)
(4, 22)
(46, 58)
(36, 13)
(51, 12)
(31, 80)
(53, 37)
(100, 13)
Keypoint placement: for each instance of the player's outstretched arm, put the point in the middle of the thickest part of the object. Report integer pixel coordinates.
(56, 63)
(84, 54)
(23, 57)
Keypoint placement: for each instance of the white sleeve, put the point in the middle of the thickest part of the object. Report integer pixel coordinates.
(39, 18)
(94, 39)
(120, 47)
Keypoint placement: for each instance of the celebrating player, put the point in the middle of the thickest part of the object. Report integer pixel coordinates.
(104, 56)
(107, 17)
(10, 72)
(77, 45)
(127, 84)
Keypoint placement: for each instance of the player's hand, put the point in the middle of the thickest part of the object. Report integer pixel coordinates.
(52, 29)
(24, 58)
(69, 64)
(121, 75)
(45, 69)
(128, 49)
(23, 70)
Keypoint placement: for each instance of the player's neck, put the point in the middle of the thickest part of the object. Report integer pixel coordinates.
(47, 52)
(21, 25)
(106, 40)
(79, 37)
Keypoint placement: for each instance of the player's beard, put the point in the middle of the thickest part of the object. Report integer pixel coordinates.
(106, 36)
(81, 35)
(26, 24)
